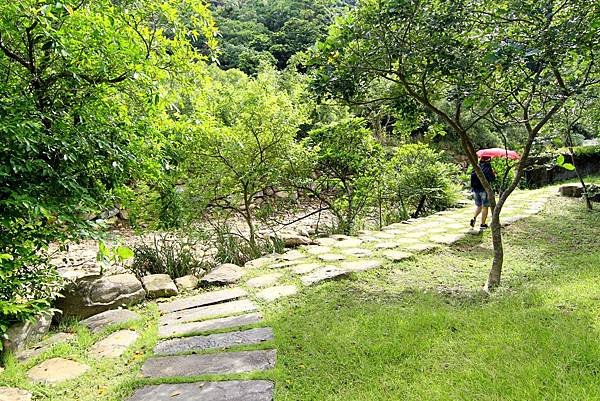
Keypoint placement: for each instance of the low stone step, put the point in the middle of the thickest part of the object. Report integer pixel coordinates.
(184, 329)
(207, 298)
(222, 340)
(321, 274)
(196, 365)
(251, 390)
(207, 312)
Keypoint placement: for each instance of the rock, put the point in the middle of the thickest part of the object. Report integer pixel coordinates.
(421, 247)
(331, 257)
(273, 293)
(206, 325)
(159, 286)
(386, 245)
(305, 268)
(285, 264)
(571, 190)
(252, 390)
(358, 252)
(90, 295)
(19, 335)
(99, 322)
(227, 273)
(446, 239)
(326, 241)
(360, 265)
(123, 215)
(397, 256)
(107, 214)
(260, 262)
(323, 273)
(206, 298)
(196, 365)
(56, 370)
(208, 312)
(187, 283)
(221, 340)
(349, 243)
(114, 345)
(14, 394)
(43, 346)
(282, 194)
(291, 240)
(264, 281)
(318, 249)
(293, 255)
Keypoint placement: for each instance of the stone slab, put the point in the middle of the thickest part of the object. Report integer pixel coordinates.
(349, 243)
(361, 265)
(207, 312)
(422, 247)
(305, 268)
(446, 239)
(293, 255)
(386, 245)
(99, 322)
(221, 363)
(358, 252)
(159, 286)
(264, 280)
(44, 345)
(14, 394)
(206, 298)
(331, 257)
(56, 370)
(184, 329)
(318, 249)
(114, 345)
(227, 273)
(321, 274)
(273, 293)
(254, 390)
(397, 256)
(221, 340)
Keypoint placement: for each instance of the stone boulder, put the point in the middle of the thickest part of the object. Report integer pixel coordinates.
(159, 286)
(227, 273)
(291, 240)
(189, 282)
(90, 295)
(14, 394)
(19, 335)
(571, 190)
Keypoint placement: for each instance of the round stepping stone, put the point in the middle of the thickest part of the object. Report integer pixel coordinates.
(369, 238)
(397, 256)
(14, 394)
(99, 322)
(293, 255)
(360, 265)
(227, 273)
(446, 239)
(394, 231)
(384, 235)
(273, 293)
(386, 245)
(349, 243)
(331, 257)
(254, 390)
(43, 346)
(221, 340)
(56, 370)
(260, 262)
(340, 237)
(326, 241)
(456, 226)
(196, 365)
(318, 249)
(323, 273)
(285, 264)
(437, 230)
(358, 252)
(264, 281)
(422, 247)
(305, 268)
(114, 345)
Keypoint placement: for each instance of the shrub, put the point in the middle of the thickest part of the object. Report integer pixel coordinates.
(424, 182)
(167, 255)
(234, 248)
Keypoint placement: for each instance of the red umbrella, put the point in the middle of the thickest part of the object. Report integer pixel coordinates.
(498, 152)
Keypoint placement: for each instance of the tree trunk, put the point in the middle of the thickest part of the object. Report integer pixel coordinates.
(495, 273)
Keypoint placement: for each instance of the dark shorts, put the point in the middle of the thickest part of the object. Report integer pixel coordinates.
(481, 199)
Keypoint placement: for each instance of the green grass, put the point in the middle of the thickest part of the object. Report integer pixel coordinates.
(423, 330)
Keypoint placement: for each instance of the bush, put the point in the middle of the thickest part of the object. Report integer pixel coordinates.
(167, 255)
(424, 182)
(233, 248)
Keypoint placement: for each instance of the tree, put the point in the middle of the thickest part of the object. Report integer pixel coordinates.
(244, 141)
(84, 85)
(469, 62)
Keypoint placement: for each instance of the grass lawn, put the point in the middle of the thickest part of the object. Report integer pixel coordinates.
(416, 330)
(422, 330)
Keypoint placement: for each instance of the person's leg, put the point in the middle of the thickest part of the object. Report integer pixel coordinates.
(485, 207)
(477, 198)
(477, 211)
(484, 214)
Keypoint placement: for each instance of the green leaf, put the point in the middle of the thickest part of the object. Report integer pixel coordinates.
(560, 160)
(568, 166)
(124, 252)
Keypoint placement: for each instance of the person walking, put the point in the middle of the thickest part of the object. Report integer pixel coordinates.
(482, 203)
